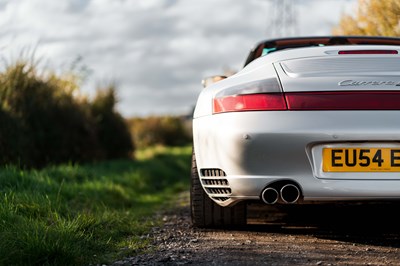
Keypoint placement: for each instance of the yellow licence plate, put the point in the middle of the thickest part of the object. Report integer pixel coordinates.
(361, 159)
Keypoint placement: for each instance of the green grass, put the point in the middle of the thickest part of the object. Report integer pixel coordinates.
(86, 214)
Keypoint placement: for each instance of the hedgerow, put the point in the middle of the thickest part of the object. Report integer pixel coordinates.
(160, 130)
(44, 119)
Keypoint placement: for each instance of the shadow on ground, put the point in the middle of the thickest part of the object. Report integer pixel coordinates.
(373, 223)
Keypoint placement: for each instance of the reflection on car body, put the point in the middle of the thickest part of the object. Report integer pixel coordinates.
(306, 120)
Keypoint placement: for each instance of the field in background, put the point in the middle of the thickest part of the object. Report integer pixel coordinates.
(161, 130)
(87, 214)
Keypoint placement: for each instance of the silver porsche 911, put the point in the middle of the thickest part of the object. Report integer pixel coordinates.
(307, 120)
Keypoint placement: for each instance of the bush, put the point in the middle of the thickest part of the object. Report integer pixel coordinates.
(113, 133)
(164, 130)
(44, 123)
(12, 142)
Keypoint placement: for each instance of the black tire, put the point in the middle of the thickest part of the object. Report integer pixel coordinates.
(206, 213)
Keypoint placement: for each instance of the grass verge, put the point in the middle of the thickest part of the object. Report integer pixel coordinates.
(86, 214)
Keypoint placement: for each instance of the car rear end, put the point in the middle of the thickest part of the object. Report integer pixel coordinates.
(303, 125)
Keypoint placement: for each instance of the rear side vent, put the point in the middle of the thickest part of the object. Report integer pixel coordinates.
(221, 199)
(211, 182)
(215, 184)
(212, 172)
(219, 191)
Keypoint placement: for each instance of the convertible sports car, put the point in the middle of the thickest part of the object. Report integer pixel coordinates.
(307, 120)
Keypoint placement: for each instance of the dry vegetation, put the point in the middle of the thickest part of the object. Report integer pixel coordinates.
(44, 122)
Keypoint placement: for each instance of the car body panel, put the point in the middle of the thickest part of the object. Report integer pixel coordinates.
(254, 154)
(257, 148)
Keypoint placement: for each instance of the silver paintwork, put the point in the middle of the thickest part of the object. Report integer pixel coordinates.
(258, 148)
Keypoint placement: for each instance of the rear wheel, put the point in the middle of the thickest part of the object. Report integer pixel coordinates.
(206, 213)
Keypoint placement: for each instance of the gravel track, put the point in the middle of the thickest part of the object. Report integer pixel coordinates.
(281, 235)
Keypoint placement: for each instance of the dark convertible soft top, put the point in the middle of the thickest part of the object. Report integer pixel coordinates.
(273, 45)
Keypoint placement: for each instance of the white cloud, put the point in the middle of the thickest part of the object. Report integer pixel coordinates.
(157, 50)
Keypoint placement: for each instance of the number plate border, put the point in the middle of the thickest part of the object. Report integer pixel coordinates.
(314, 153)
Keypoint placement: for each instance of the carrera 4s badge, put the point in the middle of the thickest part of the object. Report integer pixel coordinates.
(350, 82)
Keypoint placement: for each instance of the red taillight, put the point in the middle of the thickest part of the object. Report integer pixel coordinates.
(369, 52)
(258, 95)
(250, 102)
(344, 100)
(302, 101)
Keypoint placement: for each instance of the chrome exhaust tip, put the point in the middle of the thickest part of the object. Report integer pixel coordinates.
(290, 193)
(270, 195)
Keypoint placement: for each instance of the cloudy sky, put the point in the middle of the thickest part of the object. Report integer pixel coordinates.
(157, 51)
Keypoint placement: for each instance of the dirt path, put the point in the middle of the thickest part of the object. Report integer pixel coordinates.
(316, 235)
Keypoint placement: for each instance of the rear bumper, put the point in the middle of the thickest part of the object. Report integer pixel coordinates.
(255, 149)
(251, 187)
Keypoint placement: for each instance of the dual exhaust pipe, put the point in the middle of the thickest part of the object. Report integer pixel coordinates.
(289, 193)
